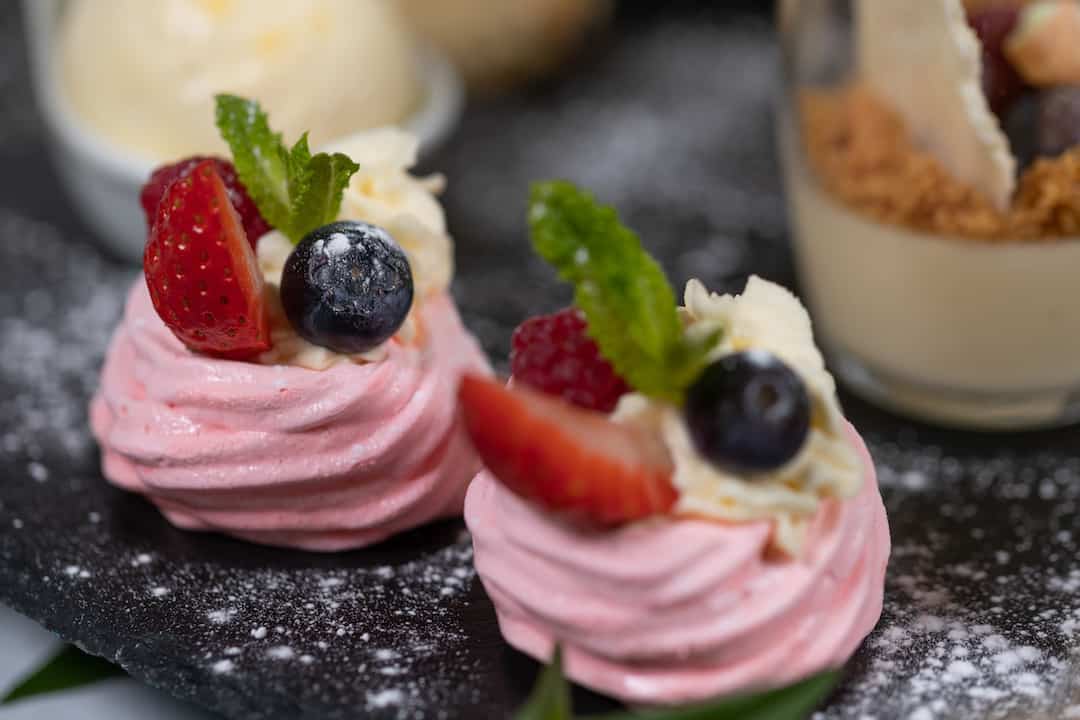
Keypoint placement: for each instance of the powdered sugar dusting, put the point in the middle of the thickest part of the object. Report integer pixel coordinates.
(979, 619)
(385, 698)
(223, 667)
(281, 652)
(52, 344)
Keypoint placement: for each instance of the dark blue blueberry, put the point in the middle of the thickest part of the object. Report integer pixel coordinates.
(748, 412)
(347, 286)
(1059, 120)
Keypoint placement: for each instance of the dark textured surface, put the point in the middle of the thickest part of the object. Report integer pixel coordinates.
(672, 123)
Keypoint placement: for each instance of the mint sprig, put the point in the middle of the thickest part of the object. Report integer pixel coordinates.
(626, 298)
(550, 700)
(295, 191)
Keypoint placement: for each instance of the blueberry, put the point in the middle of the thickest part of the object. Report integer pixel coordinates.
(748, 412)
(347, 286)
(1059, 120)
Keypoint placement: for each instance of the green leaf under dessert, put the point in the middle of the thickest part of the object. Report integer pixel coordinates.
(67, 669)
(550, 699)
(294, 190)
(795, 702)
(626, 298)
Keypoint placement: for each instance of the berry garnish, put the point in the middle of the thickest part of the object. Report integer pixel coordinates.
(553, 354)
(1002, 84)
(629, 305)
(566, 458)
(1059, 120)
(254, 224)
(347, 286)
(295, 191)
(201, 271)
(748, 412)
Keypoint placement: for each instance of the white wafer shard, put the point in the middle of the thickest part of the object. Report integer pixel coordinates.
(923, 57)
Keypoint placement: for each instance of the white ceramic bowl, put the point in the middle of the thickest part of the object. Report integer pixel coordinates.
(103, 180)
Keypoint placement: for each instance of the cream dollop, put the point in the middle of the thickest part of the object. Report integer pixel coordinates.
(765, 317)
(382, 193)
(143, 74)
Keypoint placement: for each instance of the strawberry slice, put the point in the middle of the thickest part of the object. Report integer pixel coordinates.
(567, 458)
(201, 271)
(150, 196)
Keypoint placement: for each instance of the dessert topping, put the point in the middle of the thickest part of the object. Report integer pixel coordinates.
(553, 354)
(254, 224)
(765, 317)
(351, 287)
(732, 415)
(924, 59)
(864, 156)
(347, 286)
(201, 269)
(748, 412)
(1044, 46)
(295, 190)
(629, 305)
(566, 458)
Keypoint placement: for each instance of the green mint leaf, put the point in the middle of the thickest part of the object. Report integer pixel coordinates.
(298, 169)
(318, 203)
(298, 175)
(550, 699)
(795, 702)
(261, 160)
(67, 669)
(629, 305)
(295, 191)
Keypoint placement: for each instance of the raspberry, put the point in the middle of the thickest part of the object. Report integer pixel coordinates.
(552, 353)
(254, 224)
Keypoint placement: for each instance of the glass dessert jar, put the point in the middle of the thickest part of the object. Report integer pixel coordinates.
(931, 153)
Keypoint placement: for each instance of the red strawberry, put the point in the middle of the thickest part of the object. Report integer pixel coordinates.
(254, 224)
(567, 458)
(553, 354)
(201, 270)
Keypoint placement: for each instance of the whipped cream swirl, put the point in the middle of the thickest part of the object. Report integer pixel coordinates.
(764, 317)
(383, 193)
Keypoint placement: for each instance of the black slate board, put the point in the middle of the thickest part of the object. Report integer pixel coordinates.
(670, 119)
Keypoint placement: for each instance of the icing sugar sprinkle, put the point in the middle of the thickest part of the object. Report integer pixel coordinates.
(384, 698)
(223, 667)
(982, 607)
(281, 652)
(53, 333)
(220, 617)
